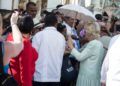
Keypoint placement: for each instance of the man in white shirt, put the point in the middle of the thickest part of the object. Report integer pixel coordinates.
(111, 64)
(113, 74)
(50, 45)
(69, 23)
(110, 73)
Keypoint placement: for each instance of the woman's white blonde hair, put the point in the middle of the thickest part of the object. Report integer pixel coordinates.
(93, 29)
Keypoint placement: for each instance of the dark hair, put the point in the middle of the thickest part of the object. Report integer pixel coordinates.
(60, 27)
(54, 11)
(117, 27)
(58, 6)
(25, 24)
(46, 12)
(50, 20)
(66, 17)
(105, 14)
(77, 22)
(30, 3)
(113, 21)
(98, 17)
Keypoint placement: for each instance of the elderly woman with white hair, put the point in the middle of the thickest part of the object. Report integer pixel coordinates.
(10, 49)
(90, 56)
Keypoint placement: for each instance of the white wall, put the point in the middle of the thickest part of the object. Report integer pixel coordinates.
(4, 4)
(7, 4)
(52, 4)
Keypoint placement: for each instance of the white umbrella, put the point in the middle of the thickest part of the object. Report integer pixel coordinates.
(77, 11)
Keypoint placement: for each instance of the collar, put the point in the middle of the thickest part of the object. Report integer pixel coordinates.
(50, 28)
(67, 25)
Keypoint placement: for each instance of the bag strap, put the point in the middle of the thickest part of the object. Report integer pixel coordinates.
(1, 58)
(10, 69)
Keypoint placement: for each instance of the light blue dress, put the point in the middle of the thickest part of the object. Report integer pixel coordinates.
(91, 58)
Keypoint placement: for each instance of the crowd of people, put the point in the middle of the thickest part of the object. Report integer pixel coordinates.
(35, 54)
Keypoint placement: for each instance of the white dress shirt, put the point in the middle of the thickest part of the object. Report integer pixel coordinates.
(105, 64)
(50, 45)
(112, 63)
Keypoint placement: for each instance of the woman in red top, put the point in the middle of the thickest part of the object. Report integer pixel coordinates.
(23, 66)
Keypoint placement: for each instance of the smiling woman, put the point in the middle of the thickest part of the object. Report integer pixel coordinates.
(90, 61)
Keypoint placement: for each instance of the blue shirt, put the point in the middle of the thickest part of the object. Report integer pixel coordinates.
(6, 66)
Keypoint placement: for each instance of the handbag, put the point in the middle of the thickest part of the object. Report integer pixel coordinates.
(5, 79)
(68, 72)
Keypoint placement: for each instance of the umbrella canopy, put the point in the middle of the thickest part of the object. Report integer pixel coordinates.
(77, 12)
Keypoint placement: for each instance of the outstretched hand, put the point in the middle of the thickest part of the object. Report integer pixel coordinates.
(14, 18)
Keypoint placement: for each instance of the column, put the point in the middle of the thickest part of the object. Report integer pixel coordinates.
(82, 3)
(39, 4)
(97, 6)
(52, 4)
(96, 3)
(22, 4)
(87, 3)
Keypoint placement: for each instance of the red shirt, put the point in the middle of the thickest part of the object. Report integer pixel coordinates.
(23, 66)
